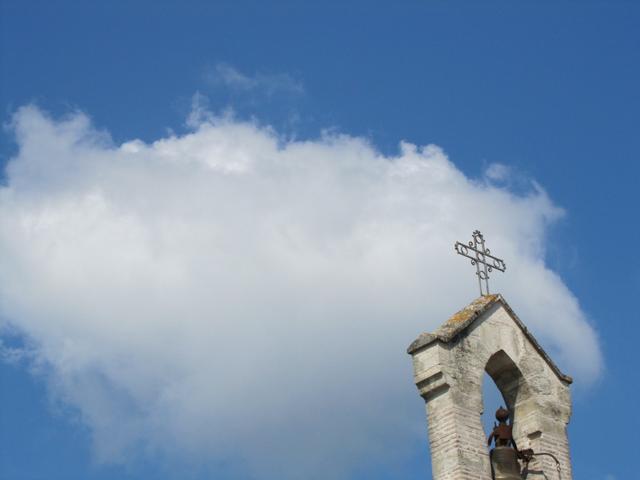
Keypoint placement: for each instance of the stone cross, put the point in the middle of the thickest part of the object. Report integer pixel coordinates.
(479, 255)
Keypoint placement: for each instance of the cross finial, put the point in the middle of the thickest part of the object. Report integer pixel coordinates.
(479, 255)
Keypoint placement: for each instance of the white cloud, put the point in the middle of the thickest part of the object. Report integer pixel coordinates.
(497, 172)
(223, 74)
(231, 296)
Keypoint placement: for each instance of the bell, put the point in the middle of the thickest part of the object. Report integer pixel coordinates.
(504, 463)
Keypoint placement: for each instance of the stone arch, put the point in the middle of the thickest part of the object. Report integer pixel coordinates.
(513, 386)
(507, 377)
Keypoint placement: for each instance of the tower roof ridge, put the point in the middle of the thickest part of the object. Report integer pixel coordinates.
(464, 318)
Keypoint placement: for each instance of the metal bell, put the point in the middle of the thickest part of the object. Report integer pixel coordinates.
(504, 463)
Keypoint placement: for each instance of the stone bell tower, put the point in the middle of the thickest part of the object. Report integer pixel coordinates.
(487, 336)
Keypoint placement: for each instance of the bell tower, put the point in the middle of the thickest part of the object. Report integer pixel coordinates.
(487, 336)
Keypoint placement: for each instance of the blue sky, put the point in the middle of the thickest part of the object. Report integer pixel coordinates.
(544, 94)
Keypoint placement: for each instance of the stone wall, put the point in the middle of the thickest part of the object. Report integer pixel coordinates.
(448, 373)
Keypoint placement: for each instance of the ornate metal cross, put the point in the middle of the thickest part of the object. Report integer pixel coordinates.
(480, 255)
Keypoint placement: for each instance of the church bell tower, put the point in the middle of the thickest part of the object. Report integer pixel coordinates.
(487, 336)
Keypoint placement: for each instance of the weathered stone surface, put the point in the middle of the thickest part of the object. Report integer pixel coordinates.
(448, 369)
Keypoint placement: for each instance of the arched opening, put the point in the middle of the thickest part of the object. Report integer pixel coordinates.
(507, 377)
(504, 385)
(491, 399)
(501, 386)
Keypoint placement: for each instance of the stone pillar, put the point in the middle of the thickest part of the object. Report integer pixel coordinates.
(456, 436)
